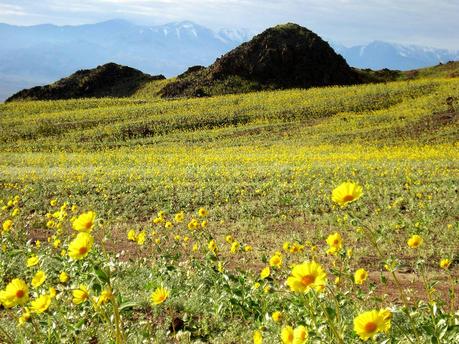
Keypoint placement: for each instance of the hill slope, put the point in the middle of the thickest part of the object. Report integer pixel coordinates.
(281, 57)
(107, 80)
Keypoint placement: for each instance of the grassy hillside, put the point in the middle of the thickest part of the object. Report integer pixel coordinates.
(264, 166)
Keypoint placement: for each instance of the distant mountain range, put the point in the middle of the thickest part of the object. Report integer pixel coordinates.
(40, 54)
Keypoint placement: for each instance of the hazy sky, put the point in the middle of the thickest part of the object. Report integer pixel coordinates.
(425, 22)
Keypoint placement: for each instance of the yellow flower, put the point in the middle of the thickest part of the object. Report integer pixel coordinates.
(265, 272)
(235, 247)
(159, 295)
(306, 276)
(52, 292)
(38, 279)
(141, 238)
(15, 212)
(80, 295)
(335, 242)
(131, 235)
(168, 225)
(40, 304)
(195, 247)
(202, 212)
(105, 296)
(50, 224)
(415, 241)
(257, 337)
(445, 263)
(32, 261)
(276, 260)
(286, 246)
(179, 217)
(300, 335)
(74, 208)
(7, 224)
(84, 222)
(15, 293)
(53, 202)
(25, 317)
(287, 335)
(229, 239)
(56, 243)
(63, 277)
(248, 248)
(360, 276)
(346, 193)
(370, 323)
(80, 246)
(212, 246)
(193, 224)
(276, 316)
(204, 224)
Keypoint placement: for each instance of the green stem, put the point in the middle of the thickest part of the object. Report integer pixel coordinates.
(329, 320)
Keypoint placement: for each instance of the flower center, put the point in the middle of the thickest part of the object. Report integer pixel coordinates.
(370, 327)
(335, 242)
(83, 250)
(348, 198)
(88, 224)
(20, 293)
(308, 279)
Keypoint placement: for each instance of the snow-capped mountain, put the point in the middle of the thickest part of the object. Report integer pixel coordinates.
(379, 55)
(41, 54)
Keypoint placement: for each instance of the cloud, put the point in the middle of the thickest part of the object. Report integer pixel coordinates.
(426, 22)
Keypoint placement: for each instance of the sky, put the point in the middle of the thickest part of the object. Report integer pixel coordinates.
(433, 23)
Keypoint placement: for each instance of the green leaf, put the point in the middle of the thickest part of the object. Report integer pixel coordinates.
(128, 304)
(102, 275)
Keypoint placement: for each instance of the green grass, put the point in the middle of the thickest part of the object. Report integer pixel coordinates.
(264, 165)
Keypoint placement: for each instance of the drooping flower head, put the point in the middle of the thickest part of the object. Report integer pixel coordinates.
(80, 295)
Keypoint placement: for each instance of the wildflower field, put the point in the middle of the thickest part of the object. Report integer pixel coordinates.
(327, 215)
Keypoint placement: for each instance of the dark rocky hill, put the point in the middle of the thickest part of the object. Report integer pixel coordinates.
(109, 80)
(281, 57)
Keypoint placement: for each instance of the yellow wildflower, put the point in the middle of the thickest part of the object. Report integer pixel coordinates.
(369, 324)
(265, 272)
(360, 276)
(415, 241)
(80, 295)
(445, 263)
(80, 246)
(346, 192)
(38, 279)
(306, 276)
(159, 295)
(84, 222)
(32, 261)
